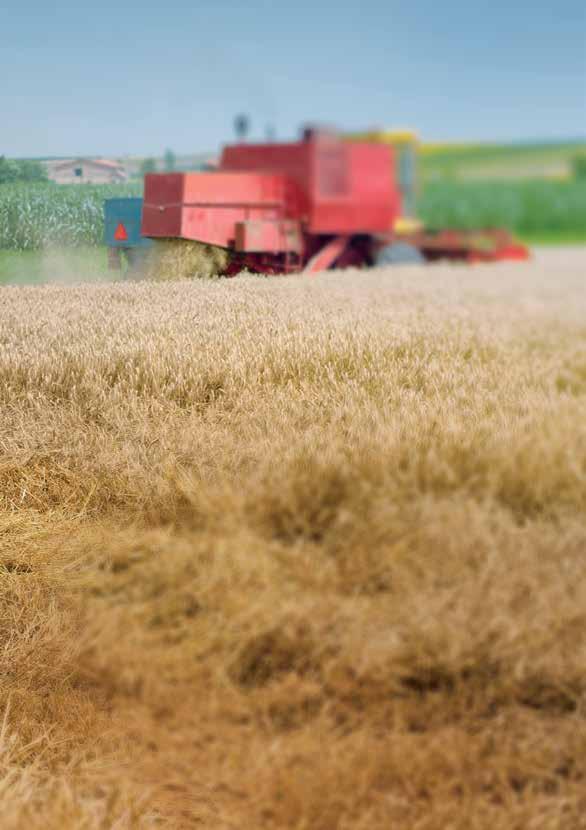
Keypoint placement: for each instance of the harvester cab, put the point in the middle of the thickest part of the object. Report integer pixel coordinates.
(405, 146)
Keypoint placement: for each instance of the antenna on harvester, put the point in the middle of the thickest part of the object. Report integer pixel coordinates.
(241, 126)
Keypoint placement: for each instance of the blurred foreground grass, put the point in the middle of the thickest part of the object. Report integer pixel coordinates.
(295, 554)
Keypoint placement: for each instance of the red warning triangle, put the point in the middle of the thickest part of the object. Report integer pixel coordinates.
(120, 233)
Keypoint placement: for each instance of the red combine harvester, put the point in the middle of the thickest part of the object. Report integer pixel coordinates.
(304, 206)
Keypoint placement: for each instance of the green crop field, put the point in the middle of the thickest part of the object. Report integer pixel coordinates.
(34, 216)
(499, 161)
(55, 264)
(546, 210)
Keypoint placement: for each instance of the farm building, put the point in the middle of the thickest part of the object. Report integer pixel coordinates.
(86, 171)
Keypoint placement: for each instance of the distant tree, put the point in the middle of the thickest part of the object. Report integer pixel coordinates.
(170, 160)
(579, 166)
(21, 171)
(148, 165)
(32, 171)
(8, 170)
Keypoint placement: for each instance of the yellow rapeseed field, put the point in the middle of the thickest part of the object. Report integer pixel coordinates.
(295, 553)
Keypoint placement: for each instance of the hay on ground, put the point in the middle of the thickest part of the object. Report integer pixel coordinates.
(176, 259)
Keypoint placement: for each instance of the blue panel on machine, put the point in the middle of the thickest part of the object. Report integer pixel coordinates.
(122, 218)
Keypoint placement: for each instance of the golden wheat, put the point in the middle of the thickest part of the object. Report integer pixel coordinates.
(295, 553)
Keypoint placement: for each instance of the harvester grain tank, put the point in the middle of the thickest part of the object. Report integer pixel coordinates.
(302, 206)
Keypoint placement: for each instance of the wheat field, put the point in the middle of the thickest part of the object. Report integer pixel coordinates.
(295, 552)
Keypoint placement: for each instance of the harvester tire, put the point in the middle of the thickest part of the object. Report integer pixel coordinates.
(399, 253)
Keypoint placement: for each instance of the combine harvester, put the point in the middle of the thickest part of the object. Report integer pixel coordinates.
(319, 203)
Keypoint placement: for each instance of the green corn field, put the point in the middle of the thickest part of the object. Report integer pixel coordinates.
(35, 216)
(530, 208)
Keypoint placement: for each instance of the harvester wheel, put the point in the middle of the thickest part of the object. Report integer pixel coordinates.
(399, 253)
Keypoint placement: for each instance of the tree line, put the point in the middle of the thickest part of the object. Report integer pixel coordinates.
(21, 171)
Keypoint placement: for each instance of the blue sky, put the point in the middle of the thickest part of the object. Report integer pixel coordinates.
(124, 77)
